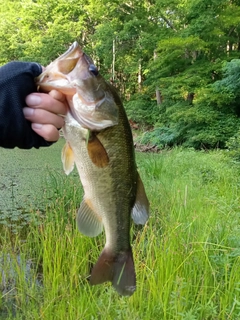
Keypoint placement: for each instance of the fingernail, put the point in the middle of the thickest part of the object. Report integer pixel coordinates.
(36, 125)
(28, 112)
(33, 100)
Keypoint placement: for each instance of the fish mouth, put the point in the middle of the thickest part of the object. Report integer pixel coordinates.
(59, 82)
(56, 74)
(75, 75)
(71, 50)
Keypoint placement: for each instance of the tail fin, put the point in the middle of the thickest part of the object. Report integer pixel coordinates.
(119, 269)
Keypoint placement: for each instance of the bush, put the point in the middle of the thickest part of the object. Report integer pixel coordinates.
(162, 137)
(214, 134)
(233, 146)
(143, 110)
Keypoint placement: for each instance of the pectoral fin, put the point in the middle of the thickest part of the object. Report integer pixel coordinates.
(67, 158)
(140, 211)
(88, 222)
(97, 152)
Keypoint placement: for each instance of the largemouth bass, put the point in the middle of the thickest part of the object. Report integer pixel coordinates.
(99, 141)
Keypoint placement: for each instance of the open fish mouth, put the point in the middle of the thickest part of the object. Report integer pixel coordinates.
(90, 100)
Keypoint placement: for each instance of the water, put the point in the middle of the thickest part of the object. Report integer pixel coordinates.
(10, 278)
(23, 175)
(22, 178)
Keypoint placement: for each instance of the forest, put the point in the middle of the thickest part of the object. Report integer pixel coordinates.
(176, 63)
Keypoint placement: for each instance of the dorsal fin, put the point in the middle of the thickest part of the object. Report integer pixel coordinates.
(140, 211)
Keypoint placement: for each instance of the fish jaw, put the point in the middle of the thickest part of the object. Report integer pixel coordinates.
(75, 75)
(56, 74)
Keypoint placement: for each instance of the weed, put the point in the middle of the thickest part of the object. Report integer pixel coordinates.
(187, 256)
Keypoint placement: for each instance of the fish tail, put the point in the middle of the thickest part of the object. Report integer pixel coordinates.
(117, 268)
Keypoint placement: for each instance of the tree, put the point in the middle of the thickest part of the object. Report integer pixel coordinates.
(188, 62)
(165, 51)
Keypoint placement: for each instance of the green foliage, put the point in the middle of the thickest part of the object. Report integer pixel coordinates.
(187, 50)
(178, 54)
(38, 30)
(162, 137)
(233, 145)
(206, 122)
(231, 80)
(186, 257)
(142, 110)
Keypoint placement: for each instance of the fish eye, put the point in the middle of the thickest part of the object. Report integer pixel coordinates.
(93, 69)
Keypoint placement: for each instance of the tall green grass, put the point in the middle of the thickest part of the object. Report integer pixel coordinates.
(187, 256)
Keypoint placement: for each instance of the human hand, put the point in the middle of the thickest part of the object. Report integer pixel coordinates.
(46, 112)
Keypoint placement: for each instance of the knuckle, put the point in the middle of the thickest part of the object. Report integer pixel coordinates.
(57, 95)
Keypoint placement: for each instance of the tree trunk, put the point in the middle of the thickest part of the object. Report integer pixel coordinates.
(158, 96)
(139, 75)
(158, 93)
(190, 97)
(113, 60)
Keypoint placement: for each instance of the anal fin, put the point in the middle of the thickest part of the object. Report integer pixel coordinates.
(88, 222)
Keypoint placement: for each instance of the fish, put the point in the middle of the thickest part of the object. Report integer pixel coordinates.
(99, 142)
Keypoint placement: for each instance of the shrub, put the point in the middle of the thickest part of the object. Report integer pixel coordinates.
(161, 137)
(143, 110)
(233, 145)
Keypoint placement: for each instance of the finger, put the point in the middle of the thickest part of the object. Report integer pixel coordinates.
(47, 131)
(48, 102)
(57, 95)
(43, 117)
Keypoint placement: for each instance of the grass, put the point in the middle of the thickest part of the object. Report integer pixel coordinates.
(187, 257)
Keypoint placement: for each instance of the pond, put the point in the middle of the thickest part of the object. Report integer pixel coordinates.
(22, 180)
(30, 182)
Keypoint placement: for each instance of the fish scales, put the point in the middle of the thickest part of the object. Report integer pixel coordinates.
(113, 185)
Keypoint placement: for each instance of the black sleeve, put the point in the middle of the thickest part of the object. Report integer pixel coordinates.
(16, 82)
